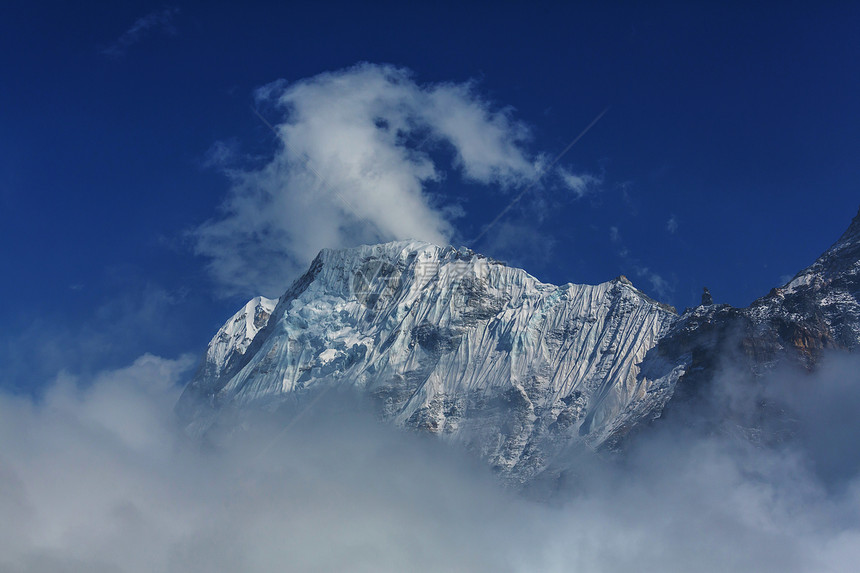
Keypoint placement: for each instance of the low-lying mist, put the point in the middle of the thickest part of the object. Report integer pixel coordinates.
(97, 476)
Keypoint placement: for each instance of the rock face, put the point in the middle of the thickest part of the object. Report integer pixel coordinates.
(450, 342)
(818, 310)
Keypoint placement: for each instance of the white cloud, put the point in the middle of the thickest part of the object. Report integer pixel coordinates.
(582, 184)
(158, 21)
(221, 155)
(357, 150)
(83, 464)
(96, 476)
(660, 287)
(672, 224)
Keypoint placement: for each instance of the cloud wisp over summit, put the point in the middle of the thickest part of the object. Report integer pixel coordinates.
(360, 155)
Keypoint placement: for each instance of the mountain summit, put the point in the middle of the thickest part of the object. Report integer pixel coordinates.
(449, 342)
(453, 343)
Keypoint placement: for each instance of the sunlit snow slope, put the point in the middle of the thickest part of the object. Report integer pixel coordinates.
(449, 342)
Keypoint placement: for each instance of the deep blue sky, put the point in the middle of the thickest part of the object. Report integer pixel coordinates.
(738, 123)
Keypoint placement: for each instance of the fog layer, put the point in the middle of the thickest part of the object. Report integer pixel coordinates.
(96, 476)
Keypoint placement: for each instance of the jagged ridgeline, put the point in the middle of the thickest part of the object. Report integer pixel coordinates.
(453, 343)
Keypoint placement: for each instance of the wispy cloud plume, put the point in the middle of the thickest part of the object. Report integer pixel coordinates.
(580, 185)
(154, 22)
(659, 285)
(672, 224)
(358, 152)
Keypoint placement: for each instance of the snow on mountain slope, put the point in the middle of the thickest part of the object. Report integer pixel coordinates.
(453, 343)
(227, 348)
(237, 333)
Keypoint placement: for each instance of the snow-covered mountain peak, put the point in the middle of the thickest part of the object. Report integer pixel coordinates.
(450, 342)
(238, 332)
(455, 343)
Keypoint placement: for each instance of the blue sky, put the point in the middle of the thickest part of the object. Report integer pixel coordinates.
(135, 177)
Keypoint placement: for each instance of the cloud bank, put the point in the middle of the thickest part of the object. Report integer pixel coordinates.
(95, 476)
(359, 152)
